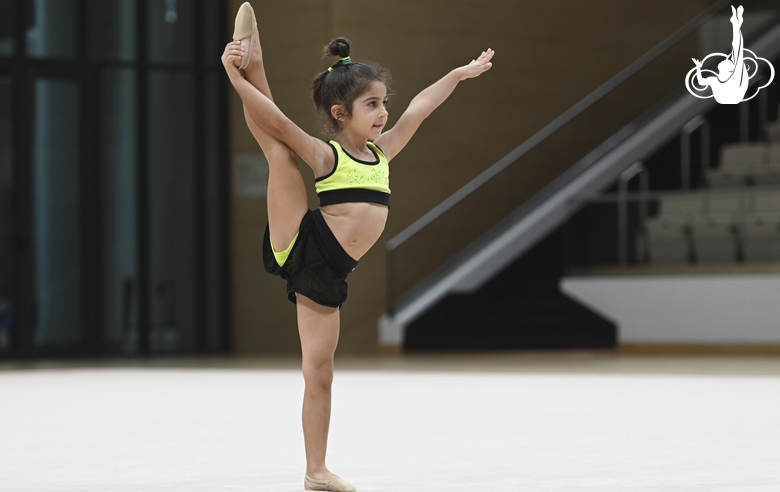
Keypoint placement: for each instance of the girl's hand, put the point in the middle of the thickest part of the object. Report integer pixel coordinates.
(697, 62)
(476, 67)
(231, 58)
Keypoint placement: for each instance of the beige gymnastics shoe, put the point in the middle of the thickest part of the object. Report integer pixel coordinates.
(246, 25)
(336, 485)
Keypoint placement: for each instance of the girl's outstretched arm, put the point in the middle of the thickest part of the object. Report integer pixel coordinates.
(317, 154)
(392, 141)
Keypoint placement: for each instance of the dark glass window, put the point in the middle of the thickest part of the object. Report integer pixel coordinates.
(111, 29)
(7, 44)
(215, 232)
(56, 160)
(172, 209)
(113, 185)
(7, 320)
(53, 33)
(171, 31)
(119, 206)
(214, 45)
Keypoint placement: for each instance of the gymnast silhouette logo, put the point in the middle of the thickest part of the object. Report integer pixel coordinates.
(730, 84)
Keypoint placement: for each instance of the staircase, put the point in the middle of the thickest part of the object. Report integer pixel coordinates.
(520, 308)
(501, 298)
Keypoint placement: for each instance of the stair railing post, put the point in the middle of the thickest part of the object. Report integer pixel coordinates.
(763, 108)
(685, 149)
(705, 149)
(390, 281)
(685, 160)
(625, 177)
(644, 188)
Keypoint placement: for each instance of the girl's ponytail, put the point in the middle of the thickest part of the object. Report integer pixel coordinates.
(338, 47)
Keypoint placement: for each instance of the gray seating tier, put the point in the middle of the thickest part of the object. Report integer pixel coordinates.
(715, 228)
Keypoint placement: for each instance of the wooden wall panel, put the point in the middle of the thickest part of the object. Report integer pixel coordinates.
(549, 54)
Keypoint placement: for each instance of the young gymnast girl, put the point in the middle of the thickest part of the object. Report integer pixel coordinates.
(315, 250)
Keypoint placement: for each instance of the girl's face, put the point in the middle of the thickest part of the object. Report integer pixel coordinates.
(369, 113)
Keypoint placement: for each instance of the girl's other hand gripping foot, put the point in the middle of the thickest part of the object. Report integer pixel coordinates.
(231, 58)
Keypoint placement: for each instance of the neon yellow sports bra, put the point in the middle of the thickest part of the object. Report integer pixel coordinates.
(353, 180)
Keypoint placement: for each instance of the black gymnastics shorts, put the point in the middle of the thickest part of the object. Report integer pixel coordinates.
(317, 266)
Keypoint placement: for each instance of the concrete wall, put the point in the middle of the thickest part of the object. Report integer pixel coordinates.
(549, 54)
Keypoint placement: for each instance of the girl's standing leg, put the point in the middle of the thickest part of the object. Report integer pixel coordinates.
(318, 326)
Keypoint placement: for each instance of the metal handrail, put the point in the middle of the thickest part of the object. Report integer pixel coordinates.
(634, 196)
(586, 102)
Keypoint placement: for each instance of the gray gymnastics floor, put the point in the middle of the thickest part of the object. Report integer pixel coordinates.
(235, 429)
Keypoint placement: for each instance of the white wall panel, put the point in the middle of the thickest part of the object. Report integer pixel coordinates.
(684, 308)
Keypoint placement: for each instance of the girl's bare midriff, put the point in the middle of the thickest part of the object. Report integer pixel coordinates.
(356, 225)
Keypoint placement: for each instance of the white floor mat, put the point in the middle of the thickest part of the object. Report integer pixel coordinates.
(223, 429)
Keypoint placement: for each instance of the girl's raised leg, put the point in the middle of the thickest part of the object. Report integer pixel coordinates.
(287, 199)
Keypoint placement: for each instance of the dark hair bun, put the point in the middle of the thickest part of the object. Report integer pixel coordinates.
(338, 47)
